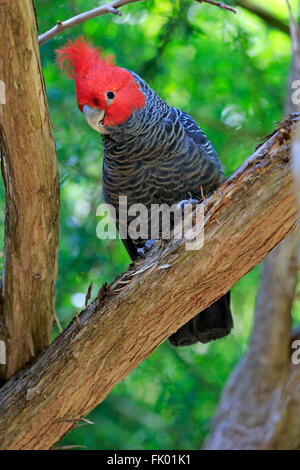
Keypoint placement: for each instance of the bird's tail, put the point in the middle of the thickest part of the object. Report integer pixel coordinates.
(212, 323)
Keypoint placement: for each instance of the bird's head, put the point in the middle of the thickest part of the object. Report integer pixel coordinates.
(106, 94)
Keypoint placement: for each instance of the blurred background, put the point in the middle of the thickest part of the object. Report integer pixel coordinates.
(229, 72)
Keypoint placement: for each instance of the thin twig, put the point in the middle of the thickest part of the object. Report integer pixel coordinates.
(88, 295)
(103, 10)
(77, 319)
(58, 324)
(218, 4)
(83, 17)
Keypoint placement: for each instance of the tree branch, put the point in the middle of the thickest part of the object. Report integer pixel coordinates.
(29, 169)
(264, 14)
(244, 219)
(103, 10)
(83, 17)
(221, 5)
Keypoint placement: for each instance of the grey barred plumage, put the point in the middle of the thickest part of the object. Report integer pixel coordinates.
(159, 155)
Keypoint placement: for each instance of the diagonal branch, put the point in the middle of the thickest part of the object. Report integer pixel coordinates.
(244, 219)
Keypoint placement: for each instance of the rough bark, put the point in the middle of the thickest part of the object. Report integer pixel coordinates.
(244, 219)
(30, 175)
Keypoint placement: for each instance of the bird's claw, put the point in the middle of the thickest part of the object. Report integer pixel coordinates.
(184, 202)
(144, 250)
(149, 243)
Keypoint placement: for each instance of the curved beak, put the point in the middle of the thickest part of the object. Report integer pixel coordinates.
(95, 118)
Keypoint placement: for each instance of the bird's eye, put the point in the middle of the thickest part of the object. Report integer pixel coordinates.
(110, 95)
(96, 101)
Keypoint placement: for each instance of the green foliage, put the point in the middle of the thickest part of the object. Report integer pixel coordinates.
(227, 71)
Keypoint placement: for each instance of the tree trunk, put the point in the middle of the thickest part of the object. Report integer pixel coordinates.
(30, 175)
(244, 219)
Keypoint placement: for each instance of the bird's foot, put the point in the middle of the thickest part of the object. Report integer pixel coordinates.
(149, 243)
(184, 202)
(144, 250)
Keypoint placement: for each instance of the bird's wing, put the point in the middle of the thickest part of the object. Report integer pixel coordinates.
(197, 135)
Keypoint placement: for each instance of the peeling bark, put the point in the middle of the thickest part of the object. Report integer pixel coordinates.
(29, 169)
(244, 219)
